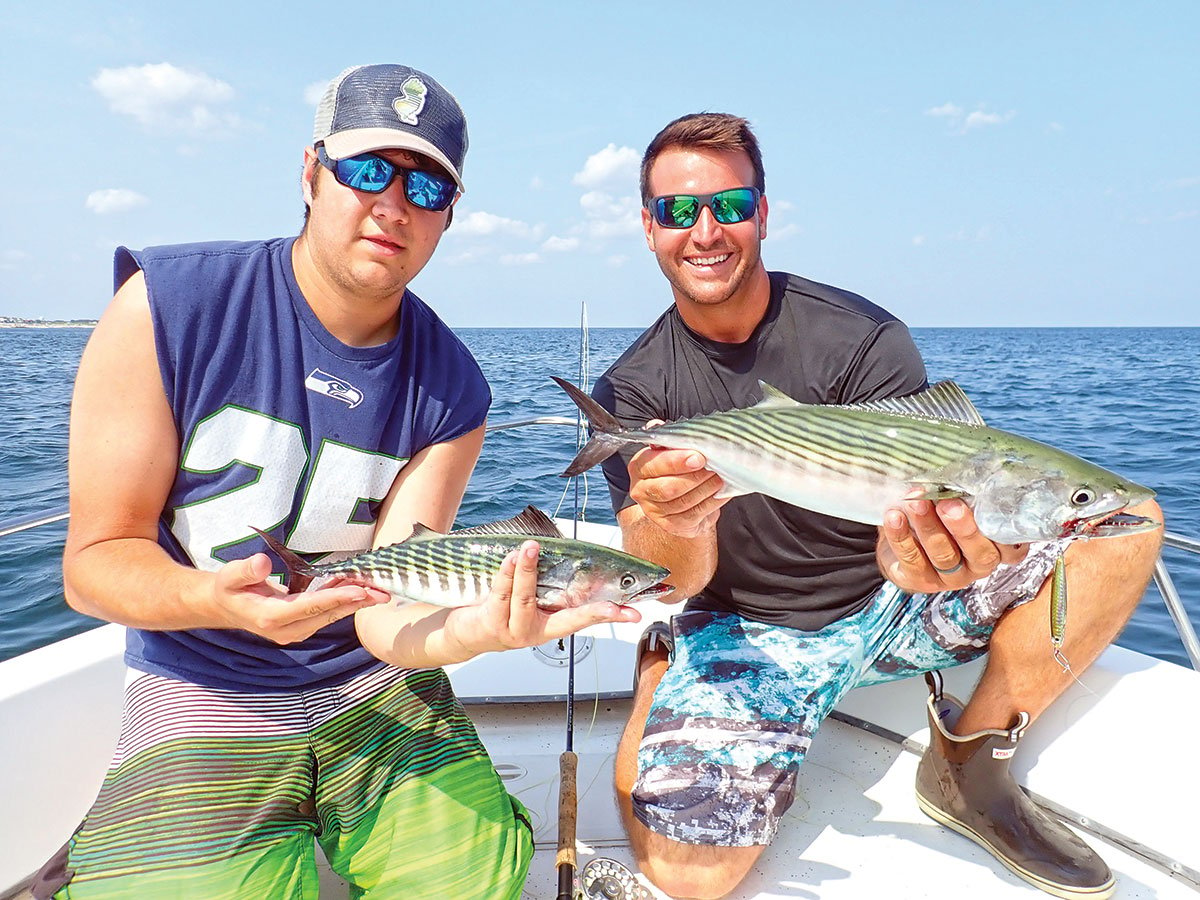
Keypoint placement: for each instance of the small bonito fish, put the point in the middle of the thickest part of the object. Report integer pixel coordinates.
(456, 569)
(857, 461)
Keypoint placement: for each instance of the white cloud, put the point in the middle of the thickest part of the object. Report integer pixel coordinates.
(961, 121)
(161, 97)
(979, 118)
(465, 257)
(536, 183)
(11, 259)
(983, 233)
(485, 224)
(114, 200)
(786, 231)
(1056, 127)
(518, 259)
(945, 110)
(606, 216)
(612, 165)
(1184, 183)
(314, 92)
(918, 240)
(560, 245)
(617, 260)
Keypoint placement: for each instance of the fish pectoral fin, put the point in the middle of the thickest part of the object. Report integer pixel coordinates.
(730, 491)
(934, 491)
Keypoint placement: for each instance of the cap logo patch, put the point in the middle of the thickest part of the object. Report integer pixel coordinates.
(411, 100)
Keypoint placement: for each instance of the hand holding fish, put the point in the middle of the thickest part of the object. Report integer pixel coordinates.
(675, 490)
(245, 598)
(511, 618)
(928, 547)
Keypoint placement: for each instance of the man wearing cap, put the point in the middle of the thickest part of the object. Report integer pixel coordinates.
(297, 386)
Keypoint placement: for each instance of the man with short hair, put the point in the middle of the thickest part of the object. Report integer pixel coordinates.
(297, 386)
(790, 609)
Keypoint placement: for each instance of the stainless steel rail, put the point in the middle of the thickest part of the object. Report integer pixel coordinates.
(1166, 587)
(24, 523)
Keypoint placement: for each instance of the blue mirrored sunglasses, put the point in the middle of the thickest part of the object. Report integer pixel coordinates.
(372, 174)
(682, 210)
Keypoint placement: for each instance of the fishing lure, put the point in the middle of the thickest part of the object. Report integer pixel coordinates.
(1058, 611)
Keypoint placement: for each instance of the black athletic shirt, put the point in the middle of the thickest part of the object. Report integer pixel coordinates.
(777, 563)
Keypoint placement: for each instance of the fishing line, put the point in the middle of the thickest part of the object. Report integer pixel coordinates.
(566, 861)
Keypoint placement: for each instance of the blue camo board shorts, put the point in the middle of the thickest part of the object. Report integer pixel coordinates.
(735, 713)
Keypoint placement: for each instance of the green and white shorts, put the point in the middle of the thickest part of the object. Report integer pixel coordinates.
(220, 794)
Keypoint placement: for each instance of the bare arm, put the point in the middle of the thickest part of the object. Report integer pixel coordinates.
(418, 635)
(124, 452)
(674, 521)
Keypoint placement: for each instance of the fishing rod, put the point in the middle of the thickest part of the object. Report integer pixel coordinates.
(602, 878)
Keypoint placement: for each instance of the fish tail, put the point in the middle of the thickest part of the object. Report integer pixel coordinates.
(604, 444)
(598, 449)
(299, 572)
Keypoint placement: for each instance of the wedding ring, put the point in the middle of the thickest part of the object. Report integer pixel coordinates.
(952, 569)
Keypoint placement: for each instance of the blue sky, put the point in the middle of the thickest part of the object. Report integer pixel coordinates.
(959, 163)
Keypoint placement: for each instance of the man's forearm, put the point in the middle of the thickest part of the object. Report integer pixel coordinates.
(411, 635)
(692, 560)
(133, 582)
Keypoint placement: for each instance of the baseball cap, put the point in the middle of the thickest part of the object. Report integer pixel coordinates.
(383, 107)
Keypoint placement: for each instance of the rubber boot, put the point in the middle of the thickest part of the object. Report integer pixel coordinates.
(964, 783)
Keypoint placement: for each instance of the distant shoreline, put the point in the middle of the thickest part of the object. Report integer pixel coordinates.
(54, 323)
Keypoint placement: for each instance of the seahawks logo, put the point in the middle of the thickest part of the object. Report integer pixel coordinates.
(330, 386)
(411, 100)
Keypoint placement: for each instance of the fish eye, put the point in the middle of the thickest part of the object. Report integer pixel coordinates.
(627, 581)
(1083, 497)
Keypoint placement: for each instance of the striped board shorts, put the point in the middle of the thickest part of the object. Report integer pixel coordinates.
(220, 794)
(736, 711)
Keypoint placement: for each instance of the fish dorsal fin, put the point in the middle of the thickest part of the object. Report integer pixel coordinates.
(532, 521)
(774, 398)
(422, 532)
(945, 400)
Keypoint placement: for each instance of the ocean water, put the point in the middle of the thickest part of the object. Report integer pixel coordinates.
(1126, 398)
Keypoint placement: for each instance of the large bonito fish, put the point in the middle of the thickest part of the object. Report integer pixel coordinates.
(456, 569)
(857, 461)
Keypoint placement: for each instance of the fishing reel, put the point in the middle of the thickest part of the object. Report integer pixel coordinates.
(607, 879)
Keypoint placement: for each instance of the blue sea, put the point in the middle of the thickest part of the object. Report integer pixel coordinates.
(1126, 398)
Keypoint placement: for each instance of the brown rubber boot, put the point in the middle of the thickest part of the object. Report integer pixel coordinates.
(964, 783)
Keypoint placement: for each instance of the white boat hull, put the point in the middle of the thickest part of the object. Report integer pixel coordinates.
(1120, 754)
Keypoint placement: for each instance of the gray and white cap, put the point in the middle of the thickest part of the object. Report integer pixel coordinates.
(384, 107)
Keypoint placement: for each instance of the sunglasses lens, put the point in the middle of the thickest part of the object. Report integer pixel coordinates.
(428, 191)
(733, 206)
(365, 173)
(678, 211)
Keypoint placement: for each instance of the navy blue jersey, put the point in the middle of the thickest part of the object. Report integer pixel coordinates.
(283, 427)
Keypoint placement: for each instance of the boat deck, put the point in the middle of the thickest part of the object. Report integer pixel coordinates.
(1116, 754)
(854, 831)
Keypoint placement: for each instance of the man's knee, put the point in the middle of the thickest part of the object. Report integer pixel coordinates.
(695, 871)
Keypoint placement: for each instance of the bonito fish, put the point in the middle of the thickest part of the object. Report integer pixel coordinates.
(857, 461)
(456, 569)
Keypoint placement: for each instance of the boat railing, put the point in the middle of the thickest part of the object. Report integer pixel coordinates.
(1162, 577)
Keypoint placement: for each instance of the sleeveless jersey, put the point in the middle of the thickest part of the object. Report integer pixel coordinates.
(283, 427)
(776, 563)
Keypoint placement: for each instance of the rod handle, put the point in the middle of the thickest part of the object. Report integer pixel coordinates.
(568, 805)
